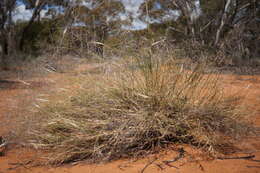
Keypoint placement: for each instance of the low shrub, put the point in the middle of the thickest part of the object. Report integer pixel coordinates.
(140, 106)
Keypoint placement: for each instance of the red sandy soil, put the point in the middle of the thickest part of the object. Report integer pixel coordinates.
(16, 97)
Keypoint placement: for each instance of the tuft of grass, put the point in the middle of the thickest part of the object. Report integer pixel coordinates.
(140, 106)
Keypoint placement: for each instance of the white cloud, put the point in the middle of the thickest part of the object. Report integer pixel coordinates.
(137, 24)
(88, 4)
(172, 15)
(21, 13)
(132, 10)
(197, 11)
(132, 7)
(44, 13)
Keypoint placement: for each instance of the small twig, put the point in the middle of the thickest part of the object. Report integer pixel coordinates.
(122, 167)
(17, 165)
(127, 164)
(206, 26)
(174, 29)
(159, 166)
(157, 42)
(254, 160)
(181, 155)
(148, 164)
(168, 164)
(243, 157)
(23, 82)
(253, 166)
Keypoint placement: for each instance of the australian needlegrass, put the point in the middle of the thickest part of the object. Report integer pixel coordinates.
(142, 105)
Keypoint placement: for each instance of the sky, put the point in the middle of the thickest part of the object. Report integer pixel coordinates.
(21, 13)
(131, 8)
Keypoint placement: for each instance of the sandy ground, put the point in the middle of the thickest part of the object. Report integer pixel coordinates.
(16, 96)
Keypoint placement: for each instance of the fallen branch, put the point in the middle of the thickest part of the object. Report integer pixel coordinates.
(243, 157)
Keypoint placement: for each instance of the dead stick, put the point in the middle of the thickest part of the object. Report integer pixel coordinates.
(254, 160)
(243, 157)
(159, 166)
(17, 165)
(253, 166)
(181, 155)
(148, 164)
(168, 164)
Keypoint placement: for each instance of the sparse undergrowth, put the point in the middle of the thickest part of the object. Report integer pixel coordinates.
(144, 104)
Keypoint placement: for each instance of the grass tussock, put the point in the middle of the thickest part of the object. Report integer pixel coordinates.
(146, 103)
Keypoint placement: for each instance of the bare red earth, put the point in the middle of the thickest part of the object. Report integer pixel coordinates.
(16, 96)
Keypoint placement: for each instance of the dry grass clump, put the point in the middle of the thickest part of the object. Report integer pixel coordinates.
(147, 103)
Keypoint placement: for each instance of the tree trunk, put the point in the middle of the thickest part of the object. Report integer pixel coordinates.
(222, 23)
(3, 53)
(186, 10)
(1, 56)
(36, 13)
